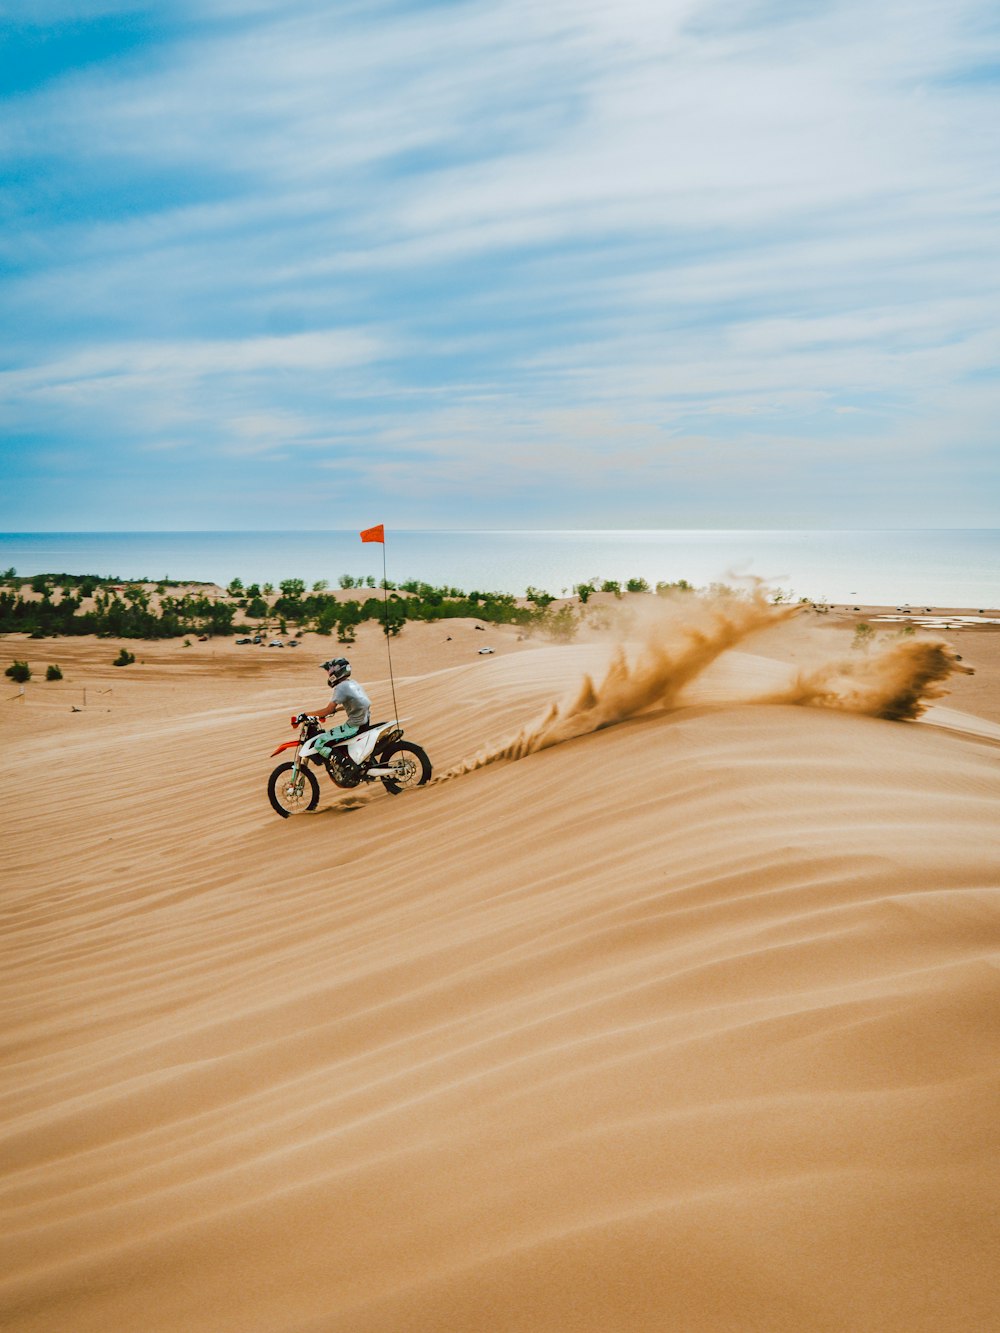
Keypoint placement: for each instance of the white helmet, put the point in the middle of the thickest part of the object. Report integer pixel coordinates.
(337, 669)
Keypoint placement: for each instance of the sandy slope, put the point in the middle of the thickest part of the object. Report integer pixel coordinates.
(688, 1022)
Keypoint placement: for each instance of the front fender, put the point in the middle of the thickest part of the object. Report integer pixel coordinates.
(288, 745)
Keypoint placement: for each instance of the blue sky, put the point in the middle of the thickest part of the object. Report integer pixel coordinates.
(692, 263)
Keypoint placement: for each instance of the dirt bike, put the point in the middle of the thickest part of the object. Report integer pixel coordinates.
(375, 753)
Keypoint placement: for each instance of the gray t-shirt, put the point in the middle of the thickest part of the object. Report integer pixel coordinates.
(354, 701)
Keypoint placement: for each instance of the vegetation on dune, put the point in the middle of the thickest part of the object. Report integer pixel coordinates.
(63, 604)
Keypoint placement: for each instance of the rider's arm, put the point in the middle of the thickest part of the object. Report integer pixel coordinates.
(325, 712)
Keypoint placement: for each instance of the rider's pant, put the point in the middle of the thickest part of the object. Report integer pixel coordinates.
(342, 733)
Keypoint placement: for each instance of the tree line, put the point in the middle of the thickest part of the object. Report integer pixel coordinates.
(129, 611)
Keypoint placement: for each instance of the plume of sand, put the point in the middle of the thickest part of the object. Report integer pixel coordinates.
(897, 682)
(686, 635)
(681, 641)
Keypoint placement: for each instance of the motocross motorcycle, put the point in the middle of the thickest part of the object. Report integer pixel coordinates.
(376, 753)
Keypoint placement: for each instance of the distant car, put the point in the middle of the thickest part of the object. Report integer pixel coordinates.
(203, 638)
(293, 643)
(484, 651)
(257, 638)
(241, 641)
(275, 643)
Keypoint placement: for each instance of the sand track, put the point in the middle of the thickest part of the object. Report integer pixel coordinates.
(687, 1022)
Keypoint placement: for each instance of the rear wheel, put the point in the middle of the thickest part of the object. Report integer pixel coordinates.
(292, 792)
(411, 765)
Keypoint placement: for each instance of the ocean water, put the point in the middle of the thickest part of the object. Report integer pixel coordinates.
(938, 567)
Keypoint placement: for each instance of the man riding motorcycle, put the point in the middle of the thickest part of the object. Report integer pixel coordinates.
(348, 695)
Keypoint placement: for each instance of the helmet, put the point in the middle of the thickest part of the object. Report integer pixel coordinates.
(337, 669)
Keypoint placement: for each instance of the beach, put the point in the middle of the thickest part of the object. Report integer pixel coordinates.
(670, 1003)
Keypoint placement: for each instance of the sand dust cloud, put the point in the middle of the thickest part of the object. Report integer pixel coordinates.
(680, 639)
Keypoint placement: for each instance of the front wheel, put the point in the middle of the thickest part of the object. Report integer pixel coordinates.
(291, 792)
(411, 765)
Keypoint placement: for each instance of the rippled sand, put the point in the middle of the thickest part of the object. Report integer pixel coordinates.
(684, 1021)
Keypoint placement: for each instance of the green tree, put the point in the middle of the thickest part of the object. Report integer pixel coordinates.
(292, 587)
(124, 658)
(19, 671)
(540, 598)
(637, 585)
(320, 585)
(235, 587)
(348, 621)
(612, 585)
(52, 672)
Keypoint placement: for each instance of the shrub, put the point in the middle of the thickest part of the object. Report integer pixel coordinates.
(19, 671)
(864, 636)
(540, 598)
(561, 625)
(124, 658)
(52, 672)
(637, 585)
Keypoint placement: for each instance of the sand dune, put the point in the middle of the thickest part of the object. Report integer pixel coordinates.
(687, 1021)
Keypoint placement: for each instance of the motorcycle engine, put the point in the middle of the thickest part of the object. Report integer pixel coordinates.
(343, 771)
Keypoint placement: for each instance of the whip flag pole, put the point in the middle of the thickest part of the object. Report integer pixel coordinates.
(377, 534)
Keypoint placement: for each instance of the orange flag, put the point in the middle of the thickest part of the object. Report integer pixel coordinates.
(376, 534)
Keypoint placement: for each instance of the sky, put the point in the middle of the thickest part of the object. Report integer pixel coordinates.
(500, 264)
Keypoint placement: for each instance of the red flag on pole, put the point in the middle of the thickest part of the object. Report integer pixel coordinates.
(376, 534)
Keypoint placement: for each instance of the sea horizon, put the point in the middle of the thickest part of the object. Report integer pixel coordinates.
(942, 566)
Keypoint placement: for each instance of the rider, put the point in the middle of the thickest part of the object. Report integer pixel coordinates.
(347, 694)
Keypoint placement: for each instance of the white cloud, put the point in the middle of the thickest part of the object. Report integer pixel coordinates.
(646, 222)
